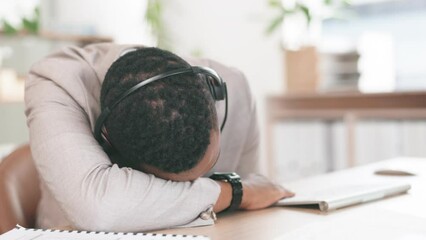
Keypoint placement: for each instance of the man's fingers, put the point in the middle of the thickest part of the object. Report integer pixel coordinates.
(260, 192)
(289, 194)
(286, 193)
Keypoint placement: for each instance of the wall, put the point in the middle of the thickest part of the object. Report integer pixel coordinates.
(231, 32)
(397, 21)
(13, 127)
(122, 20)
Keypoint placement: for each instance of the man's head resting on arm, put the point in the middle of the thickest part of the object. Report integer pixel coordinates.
(169, 127)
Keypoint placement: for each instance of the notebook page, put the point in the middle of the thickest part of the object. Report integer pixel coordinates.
(20, 233)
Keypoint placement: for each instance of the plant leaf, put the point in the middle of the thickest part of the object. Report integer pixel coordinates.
(275, 23)
(275, 3)
(306, 12)
(153, 16)
(30, 25)
(328, 2)
(8, 28)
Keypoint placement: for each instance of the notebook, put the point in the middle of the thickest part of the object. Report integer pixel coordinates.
(344, 195)
(22, 233)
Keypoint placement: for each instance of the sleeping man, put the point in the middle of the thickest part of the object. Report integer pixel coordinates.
(126, 138)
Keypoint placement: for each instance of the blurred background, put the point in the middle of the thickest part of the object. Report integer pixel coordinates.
(339, 83)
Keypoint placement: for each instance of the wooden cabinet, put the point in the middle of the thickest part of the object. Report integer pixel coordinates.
(349, 108)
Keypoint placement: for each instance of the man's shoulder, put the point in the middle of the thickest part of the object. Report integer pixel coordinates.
(94, 57)
(78, 73)
(73, 67)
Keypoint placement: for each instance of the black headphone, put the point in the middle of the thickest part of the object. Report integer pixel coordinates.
(215, 83)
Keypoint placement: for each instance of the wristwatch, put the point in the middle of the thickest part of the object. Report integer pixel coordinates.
(237, 188)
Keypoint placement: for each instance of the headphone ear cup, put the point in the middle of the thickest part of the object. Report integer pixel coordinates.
(212, 87)
(220, 92)
(217, 88)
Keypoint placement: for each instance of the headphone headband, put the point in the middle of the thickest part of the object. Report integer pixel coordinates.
(215, 83)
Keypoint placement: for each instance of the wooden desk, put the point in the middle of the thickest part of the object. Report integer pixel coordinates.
(398, 217)
(346, 107)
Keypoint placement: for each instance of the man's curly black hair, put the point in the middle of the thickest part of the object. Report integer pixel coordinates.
(165, 124)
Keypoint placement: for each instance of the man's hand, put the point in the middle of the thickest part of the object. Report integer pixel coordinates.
(259, 192)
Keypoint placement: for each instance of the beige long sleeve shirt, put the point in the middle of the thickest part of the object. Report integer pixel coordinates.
(81, 187)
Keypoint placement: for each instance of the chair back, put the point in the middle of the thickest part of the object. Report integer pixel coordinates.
(19, 190)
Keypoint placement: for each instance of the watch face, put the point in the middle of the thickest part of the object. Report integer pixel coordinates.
(225, 176)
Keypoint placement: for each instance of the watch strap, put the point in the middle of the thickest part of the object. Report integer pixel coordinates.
(237, 188)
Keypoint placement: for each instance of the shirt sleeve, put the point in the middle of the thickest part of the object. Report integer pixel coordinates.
(250, 157)
(93, 193)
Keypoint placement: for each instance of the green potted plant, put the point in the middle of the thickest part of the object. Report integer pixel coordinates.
(300, 25)
(29, 25)
(17, 42)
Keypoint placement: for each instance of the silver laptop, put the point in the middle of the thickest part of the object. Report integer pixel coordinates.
(343, 196)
